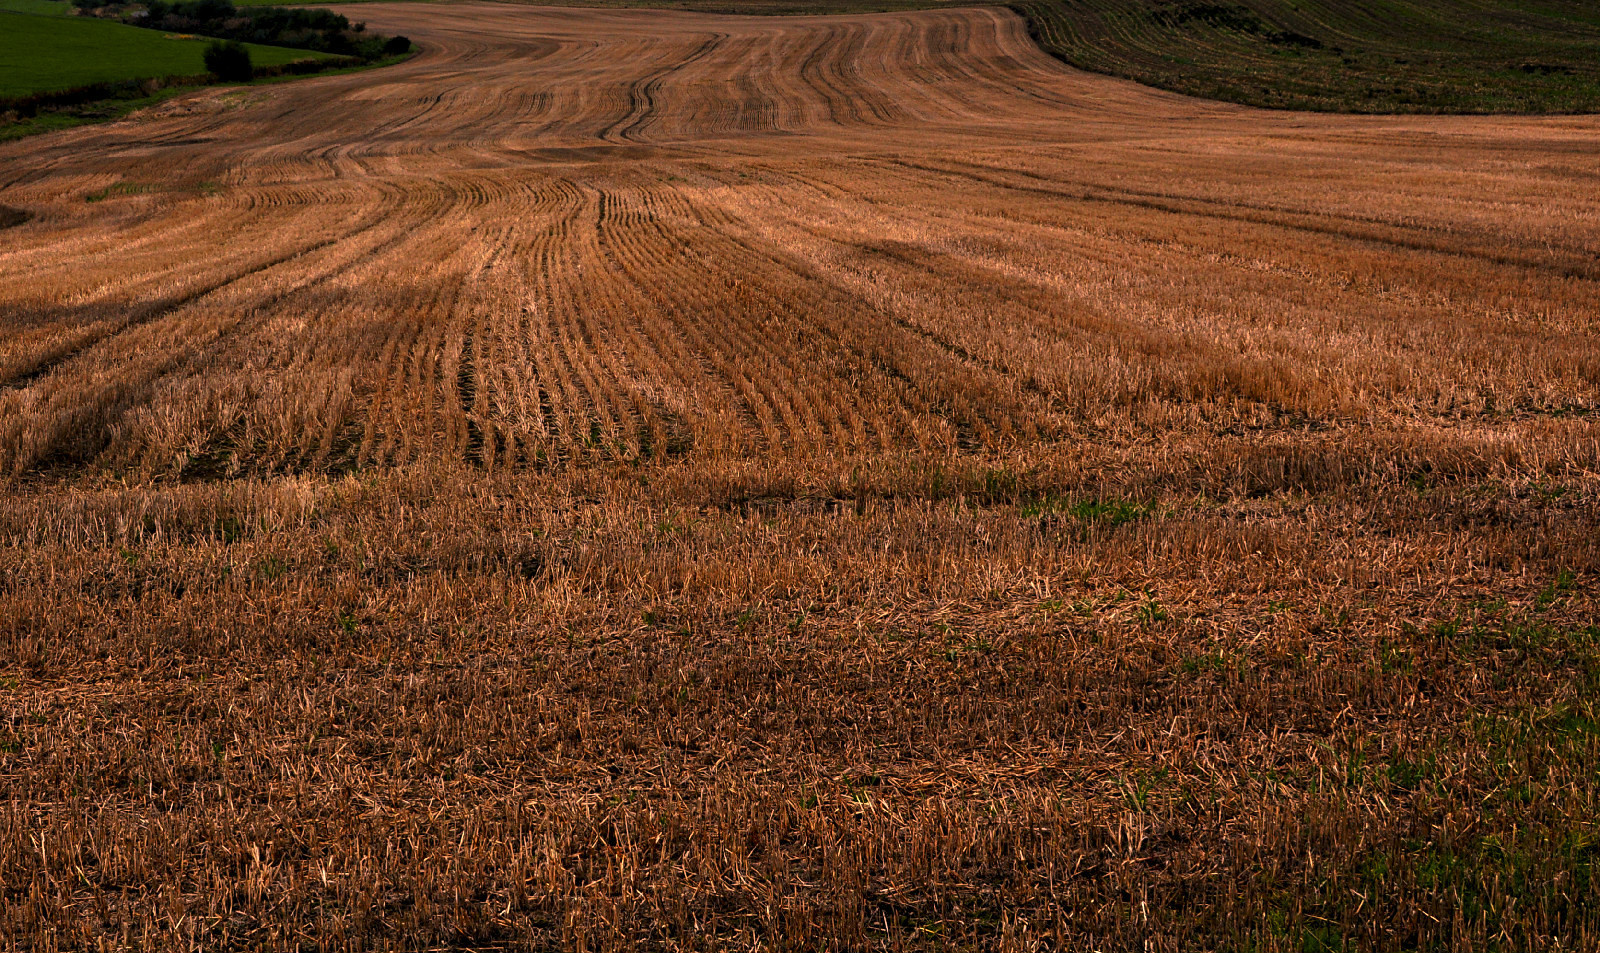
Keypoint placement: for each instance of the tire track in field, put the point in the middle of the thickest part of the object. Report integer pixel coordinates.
(864, 329)
(642, 95)
(1373, 231)
(566, 237)
(163, 307)
(93, 402)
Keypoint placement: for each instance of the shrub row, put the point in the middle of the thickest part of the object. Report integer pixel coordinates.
(297, 28)
(23, 107)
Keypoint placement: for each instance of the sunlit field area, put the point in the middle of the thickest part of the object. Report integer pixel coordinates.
(655, 480)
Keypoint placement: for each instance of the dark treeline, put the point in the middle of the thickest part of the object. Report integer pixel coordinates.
(322, 31)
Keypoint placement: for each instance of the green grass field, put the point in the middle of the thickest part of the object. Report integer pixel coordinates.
(43, 8)
(43, 48)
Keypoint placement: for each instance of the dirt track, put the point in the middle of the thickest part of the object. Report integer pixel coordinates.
(557, 231)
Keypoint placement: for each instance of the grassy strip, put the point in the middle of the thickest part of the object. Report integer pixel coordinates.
(103, 110)
(135, 97)
(38, 8)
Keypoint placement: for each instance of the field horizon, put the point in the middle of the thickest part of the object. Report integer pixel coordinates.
(631, 479)
(1535, 57)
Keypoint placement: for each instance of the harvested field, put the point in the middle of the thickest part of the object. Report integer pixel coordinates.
(653, 480)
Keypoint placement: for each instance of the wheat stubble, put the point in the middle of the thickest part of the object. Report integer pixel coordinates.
(641, 479)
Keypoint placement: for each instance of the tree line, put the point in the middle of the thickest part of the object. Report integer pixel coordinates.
(321, 31)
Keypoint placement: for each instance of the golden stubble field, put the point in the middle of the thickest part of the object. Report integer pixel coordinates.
(642, 480)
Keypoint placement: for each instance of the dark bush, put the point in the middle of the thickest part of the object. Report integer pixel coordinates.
(304, 67)
(230, 61)
(322, 31)
(204, 11)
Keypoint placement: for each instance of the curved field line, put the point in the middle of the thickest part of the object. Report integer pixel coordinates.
(559, 236)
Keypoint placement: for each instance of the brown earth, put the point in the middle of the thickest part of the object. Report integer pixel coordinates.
(652, 479)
